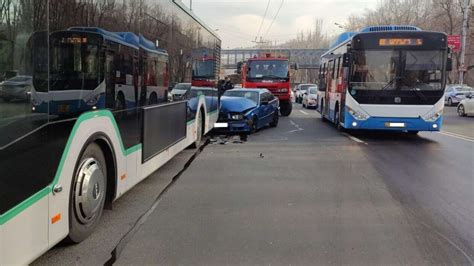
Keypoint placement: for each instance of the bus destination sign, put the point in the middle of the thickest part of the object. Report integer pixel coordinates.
(400, 42)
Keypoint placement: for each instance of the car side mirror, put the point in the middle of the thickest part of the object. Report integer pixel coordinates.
(449, 64)
(347, 59)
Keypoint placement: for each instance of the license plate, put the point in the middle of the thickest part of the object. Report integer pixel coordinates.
(221, 125)
(395, 125)
(63, 109)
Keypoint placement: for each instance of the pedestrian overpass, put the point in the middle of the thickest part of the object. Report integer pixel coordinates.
(306, 58)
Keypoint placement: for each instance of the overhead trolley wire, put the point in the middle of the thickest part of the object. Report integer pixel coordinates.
(263, 20)
(274, 18)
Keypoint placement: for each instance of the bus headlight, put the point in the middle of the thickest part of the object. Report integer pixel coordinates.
(433, 116)
(357, 115)
(93, 101)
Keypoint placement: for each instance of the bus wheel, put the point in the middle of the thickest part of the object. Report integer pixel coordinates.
(199, 129)
(322, 112)
(337, 119)
(285, 108)
(88, 194)
(153, 99)
(120, 102)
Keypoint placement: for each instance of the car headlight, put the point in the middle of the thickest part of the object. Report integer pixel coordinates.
(93, 101)
(357, 115)
(237, 117)
(433, 116)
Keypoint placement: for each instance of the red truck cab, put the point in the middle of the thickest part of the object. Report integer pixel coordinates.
(271, 73)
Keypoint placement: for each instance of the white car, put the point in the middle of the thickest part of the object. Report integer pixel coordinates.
(310, 98)
(454, 94)
(300, 90)
(466, 106)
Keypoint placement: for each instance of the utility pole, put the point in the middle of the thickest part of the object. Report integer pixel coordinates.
(465, 20)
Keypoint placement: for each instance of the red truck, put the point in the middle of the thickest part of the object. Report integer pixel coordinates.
(269, 72)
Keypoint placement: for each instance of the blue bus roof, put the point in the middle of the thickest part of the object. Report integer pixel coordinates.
(344, 37)
(125, 38)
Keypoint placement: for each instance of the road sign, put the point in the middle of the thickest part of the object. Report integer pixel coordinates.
(454, 42)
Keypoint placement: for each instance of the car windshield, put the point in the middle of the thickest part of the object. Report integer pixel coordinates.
(268, 69)
(397, 70)
(251, 95)
(20, 79)
(182, 87)
(466, 89)
(305, 87)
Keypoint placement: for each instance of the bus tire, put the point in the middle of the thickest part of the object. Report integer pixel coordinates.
(120, 102)
(323, 119)
(153, 99)
(88, 194)
(285, 108)
(337, 119)
(200, 129)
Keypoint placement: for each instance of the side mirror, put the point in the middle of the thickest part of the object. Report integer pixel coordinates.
(347, 60)
(449, 64)
(239, 67)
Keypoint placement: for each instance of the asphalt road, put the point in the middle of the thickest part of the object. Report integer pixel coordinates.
(302, 193)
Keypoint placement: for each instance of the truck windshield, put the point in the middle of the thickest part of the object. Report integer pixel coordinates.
(397, 70)
(75, 63)
(268, 69)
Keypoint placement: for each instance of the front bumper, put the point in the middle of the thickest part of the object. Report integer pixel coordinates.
(392, 124)
(241, 126)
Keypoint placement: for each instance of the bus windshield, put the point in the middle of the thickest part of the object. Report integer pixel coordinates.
(204, 68)
(75, 62)
(268, 69)
(397, 70)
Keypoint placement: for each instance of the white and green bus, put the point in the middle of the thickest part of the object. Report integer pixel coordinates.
(97, 121)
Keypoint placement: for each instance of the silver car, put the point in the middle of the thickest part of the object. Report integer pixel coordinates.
(16, 88)
(454, 94)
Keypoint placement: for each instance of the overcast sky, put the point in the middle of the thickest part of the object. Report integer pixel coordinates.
(238, 21)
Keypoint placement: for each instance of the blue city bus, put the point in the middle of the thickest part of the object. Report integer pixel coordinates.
(385, 78)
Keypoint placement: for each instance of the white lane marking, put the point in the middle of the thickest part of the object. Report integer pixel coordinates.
(303, 112)
(298, 128)
(355, 139)
(458, 136)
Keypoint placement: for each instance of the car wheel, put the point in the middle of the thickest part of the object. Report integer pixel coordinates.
(276, 117)
(254, 124)
(461, 110)
(450, 101)
(88, 192)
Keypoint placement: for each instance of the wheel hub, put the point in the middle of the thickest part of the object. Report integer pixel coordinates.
(89, 190)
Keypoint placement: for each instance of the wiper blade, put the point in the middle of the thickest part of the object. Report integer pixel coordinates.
(420, 95)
